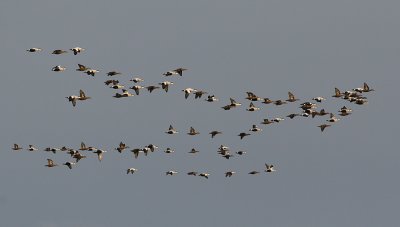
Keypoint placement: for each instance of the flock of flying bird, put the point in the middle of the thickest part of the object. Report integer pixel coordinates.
(308, 109)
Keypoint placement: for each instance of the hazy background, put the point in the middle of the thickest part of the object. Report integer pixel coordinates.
(346, 176)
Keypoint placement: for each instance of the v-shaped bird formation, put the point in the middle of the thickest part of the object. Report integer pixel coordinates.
(307, 109)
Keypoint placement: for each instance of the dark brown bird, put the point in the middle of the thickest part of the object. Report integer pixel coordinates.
(121, 147)
(214, 133)
(254, 172)
(291, 97)
(113, 73)
(323, 126)
(59, 52)
(50, 163)
(152, 88)
(16, 147)
(243, 134)
(229, 173)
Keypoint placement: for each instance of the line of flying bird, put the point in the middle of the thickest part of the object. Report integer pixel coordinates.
(308, 109)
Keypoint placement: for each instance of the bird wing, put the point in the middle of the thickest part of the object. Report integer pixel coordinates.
(291, 96)
(81, 94)
(50, 162)
(337, 91)
(83, 146)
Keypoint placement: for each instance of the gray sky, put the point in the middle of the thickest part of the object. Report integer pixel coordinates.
(346, 176)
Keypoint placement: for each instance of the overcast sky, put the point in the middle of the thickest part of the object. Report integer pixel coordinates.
(345, 176)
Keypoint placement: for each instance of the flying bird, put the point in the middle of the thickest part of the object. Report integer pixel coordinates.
(205, 175)
(255, 128)
(58, 68)
(77, 50)
(252, 107)
(292, 98)
(121, 147)
(32, 148)
(152, 88)
(99, 153)
(234, 103)
(198, 94)
(34, 49)
(136, 80)
(323, 126)
(57, 52)
(269, 168)
(16, 147)
(214, 133)
(113, 73)
(171, 130)
(319, 99)
(193, 151)
(137, 88)
(50, 163)
(243, 134)
(171, 172)
(254, 172)
(211, 98)
(69, 164)
(131, 171)
(192, 173)
(177, 71)
(82, 68)
(91, 72)
(193, 132)
(165, 85)
(188, 91)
